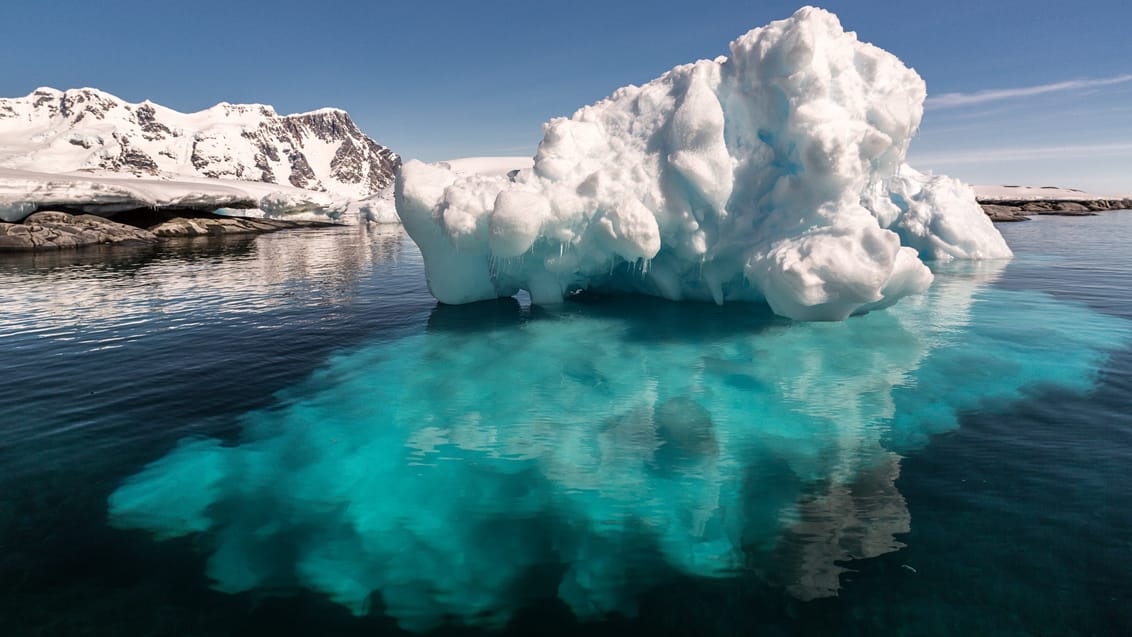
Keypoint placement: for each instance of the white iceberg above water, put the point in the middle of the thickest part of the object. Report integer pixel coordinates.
(776, 174)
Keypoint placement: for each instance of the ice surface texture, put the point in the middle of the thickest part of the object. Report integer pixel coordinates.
(776, 173)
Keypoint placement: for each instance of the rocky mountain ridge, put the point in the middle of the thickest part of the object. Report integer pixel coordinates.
(87, 130)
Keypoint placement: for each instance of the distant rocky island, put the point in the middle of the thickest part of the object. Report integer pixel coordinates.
(1019, 203)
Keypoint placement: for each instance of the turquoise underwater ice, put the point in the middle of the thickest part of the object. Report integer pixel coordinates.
(619, 440)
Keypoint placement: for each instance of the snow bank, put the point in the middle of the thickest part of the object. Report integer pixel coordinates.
(22, 191)
(1036, 193)
(379, 208)
(774, 174)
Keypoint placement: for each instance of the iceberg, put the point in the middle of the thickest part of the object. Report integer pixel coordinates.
(774, 174)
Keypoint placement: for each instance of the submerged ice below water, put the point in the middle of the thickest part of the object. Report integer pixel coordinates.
(615, 443)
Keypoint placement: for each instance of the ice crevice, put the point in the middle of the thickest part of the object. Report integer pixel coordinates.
(775, 174)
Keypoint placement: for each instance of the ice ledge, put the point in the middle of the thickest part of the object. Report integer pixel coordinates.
(23, 192)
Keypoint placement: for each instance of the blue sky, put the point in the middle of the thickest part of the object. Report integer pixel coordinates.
(1036, 93)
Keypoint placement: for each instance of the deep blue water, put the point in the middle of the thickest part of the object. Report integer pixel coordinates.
(286, 435)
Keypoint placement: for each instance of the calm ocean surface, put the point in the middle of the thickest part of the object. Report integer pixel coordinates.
(286, 435)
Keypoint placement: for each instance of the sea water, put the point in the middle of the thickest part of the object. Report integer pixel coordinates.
(286, 434)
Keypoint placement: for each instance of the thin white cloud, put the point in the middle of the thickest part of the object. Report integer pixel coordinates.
(951, 100)
(982, 156)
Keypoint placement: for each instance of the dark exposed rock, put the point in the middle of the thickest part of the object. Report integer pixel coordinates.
(146, 117)
(53, 229)
(43, 98)
(217, 225)
(1067, 207)
(347, 163)
(198, 158)
(128, 160)
(1055, 207)
(1020, 210)
(302, 175)
(80, 104)
(268, 150)
(137, 160)
(1003, 213)
(265, 152)
(14, 237)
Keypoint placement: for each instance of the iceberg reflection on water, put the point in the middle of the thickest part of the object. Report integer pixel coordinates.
(614, 443)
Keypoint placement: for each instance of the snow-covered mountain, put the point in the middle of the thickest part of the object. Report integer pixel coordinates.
(89, 130)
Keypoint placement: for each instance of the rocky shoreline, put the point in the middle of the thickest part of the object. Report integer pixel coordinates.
(1023, 209)
(61, 229)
